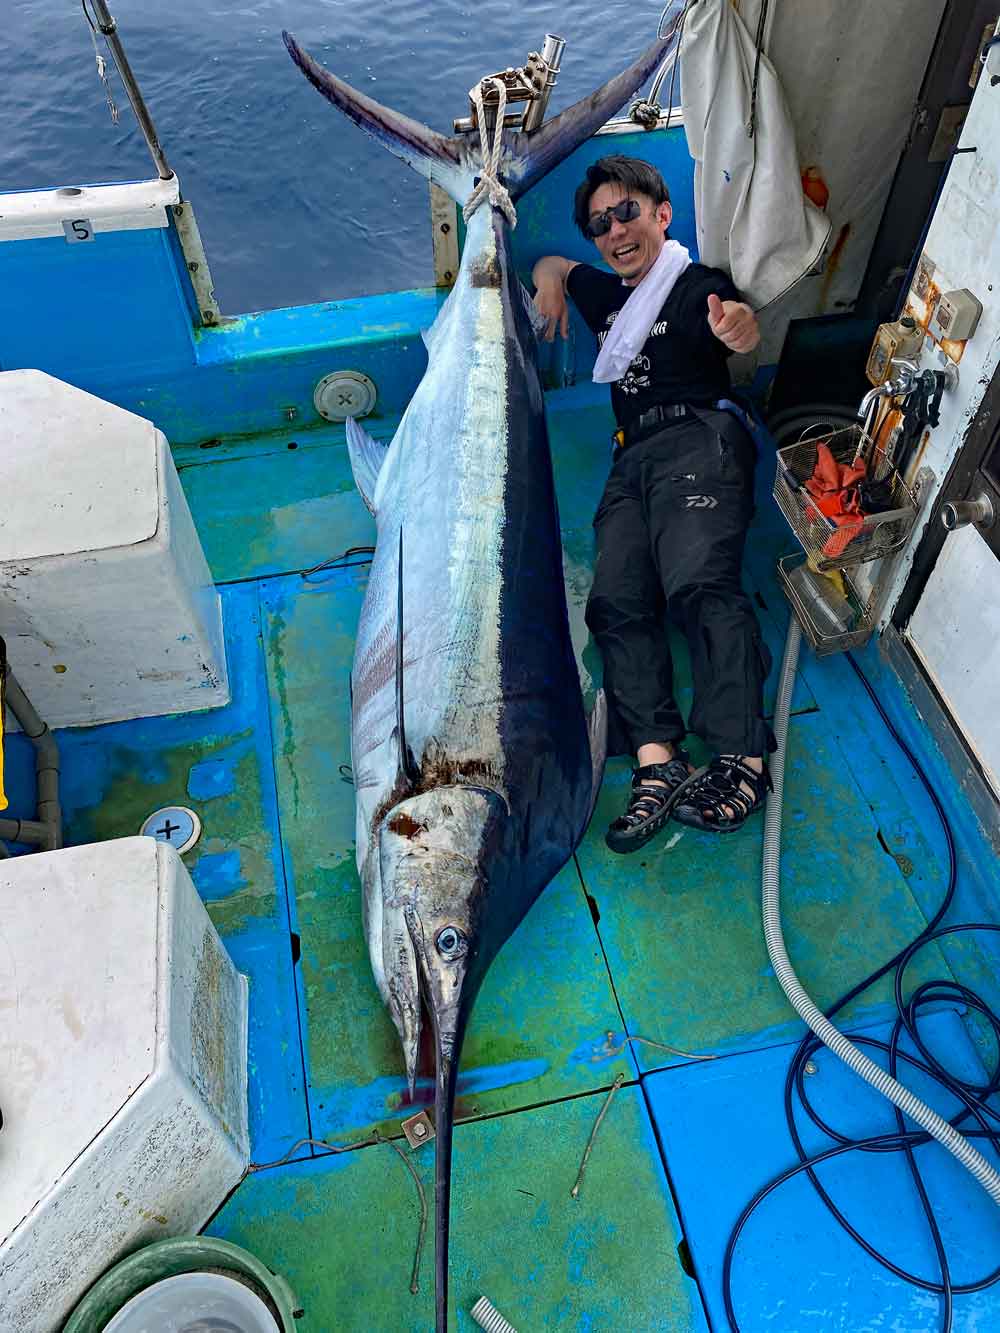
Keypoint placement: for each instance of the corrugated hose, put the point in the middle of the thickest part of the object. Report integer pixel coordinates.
(910, 1105)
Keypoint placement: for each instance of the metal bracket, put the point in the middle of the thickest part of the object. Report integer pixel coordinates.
(419, 1129)
(197, 263)
(922, 482)
(531, 85)
(444, 232)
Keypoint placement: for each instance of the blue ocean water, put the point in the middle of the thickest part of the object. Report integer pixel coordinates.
(294, 203)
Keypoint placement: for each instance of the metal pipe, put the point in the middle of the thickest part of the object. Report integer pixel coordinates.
(551, 53)
(880, 391)
(513, 120)
(46, 771)
(666, 65)
(107, 26)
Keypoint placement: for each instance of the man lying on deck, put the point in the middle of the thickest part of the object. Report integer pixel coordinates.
(672, 522)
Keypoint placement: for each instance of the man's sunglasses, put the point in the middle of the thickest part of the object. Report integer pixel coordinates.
(599, 225)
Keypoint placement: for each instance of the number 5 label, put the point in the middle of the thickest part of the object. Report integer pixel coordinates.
(79, 229)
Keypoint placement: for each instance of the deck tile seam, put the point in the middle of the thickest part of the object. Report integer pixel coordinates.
(676, 1199)
(289, 888)
(338, 1150)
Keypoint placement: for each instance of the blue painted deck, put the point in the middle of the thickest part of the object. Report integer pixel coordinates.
(666, 945)
(723, 1132)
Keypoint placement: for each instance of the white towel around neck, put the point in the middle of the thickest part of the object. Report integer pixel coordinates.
(638, 315)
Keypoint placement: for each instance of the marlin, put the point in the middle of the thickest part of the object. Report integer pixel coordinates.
(475, 766)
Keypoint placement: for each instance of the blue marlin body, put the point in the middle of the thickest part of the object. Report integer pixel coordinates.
(474, 765)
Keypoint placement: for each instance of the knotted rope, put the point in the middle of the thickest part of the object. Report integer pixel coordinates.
(489, 182)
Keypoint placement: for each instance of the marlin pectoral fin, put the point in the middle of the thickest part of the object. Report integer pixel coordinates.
(408, 770)
(597, 733)
(367, 456)
(427, 152)
(536, 319)
(538, 151)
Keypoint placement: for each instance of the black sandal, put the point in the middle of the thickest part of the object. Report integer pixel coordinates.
(649, 805)
(717, 801)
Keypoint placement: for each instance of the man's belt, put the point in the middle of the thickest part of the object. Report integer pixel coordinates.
(651, 421)
(723, 419)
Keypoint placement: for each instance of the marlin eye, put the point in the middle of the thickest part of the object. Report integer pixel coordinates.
(451, 943)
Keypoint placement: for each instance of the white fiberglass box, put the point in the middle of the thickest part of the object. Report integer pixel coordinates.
(106, 601)
(122, 1068)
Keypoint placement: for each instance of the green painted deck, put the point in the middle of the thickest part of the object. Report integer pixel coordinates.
(343, 1228)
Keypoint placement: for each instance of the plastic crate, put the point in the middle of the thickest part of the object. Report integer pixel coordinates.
(831, 546)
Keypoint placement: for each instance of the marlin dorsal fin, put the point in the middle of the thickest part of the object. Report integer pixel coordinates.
(367, 456)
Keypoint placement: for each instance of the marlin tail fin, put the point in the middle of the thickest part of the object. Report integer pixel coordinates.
(453, 163)
(427, 152)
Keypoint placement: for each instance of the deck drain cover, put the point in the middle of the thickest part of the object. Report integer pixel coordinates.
(175, 824)
(194, 1303)
(343, 394)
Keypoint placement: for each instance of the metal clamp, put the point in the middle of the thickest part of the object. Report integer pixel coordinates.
(531, 85)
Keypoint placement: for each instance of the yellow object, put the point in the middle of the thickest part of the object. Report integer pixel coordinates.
(834, 575)
(901, 338)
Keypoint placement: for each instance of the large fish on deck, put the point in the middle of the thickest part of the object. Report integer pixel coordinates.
(474, 764)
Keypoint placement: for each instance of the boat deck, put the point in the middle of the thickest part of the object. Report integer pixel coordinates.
(666, 945)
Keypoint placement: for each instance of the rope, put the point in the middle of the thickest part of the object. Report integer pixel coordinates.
(102, 69)
(489, 182)
(575, 1191)
(646, 114)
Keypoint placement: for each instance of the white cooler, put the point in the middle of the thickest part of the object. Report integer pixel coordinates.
(123, 1030)
(106, 600)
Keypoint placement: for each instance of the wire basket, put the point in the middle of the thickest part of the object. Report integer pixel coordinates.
(831, 622)
(829, 545)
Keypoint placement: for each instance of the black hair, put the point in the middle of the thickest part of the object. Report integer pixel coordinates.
(631, 173)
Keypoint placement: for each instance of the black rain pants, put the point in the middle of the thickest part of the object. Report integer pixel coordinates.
(670, 530)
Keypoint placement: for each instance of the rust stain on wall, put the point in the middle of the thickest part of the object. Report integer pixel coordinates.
(833, 264)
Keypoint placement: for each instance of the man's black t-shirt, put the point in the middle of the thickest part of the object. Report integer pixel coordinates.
(681, 361)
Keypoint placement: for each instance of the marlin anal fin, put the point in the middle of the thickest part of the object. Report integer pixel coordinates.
(597, 734)
(431, 154)
(536, 153)
(408, 771)
(367, 456)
